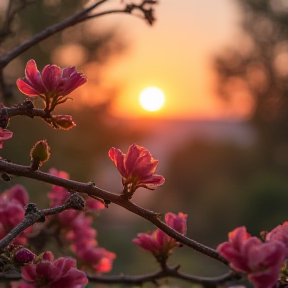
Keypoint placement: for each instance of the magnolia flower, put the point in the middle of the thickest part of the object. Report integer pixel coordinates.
(137, 168)
(52, 84)
(61, 273)
(4, 135)
(158, 242)
(261, 261)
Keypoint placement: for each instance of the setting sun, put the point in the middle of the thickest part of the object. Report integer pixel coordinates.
(152, 99)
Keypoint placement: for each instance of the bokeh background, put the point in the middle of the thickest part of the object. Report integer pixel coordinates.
(221, 137)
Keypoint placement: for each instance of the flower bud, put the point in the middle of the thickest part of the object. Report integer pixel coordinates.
(39, 154)
(24, 256)
(63, 122)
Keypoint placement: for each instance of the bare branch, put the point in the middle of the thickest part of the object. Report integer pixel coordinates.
(24, 109)
(168, 272)
(171, 272)
(73, 20)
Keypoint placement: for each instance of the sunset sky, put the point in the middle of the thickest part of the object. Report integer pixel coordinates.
(174, 55)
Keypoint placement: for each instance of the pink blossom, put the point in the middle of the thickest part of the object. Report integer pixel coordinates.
(12, 203)
(58, 195)
(94, 205)
(158, 242)
(81, 234)
(4, 135)
(50, 273)
(261, 261)
(280, 233)
(53, 83)
(137, 168)
(100, 259)
(84, 245)
(77, 231)
(177, 222)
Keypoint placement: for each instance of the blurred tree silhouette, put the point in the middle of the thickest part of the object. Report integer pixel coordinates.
(222, 186)
(79, 151)
(257, 73)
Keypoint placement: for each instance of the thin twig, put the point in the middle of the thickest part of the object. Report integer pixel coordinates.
(71, 21)
(46, 33)
(168, 272)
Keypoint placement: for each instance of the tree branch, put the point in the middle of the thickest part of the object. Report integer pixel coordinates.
(168, 272)
(73, 20)
(34, 215)
(26, 108)
(171, 272)
(90, 189)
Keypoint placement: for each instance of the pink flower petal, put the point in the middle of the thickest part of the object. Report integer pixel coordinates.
(51, 76)
(27, 89)
(163, 239)
(153, 182)
(177, 222)
(33, 77)
(67, 72)
(28, 272)
(76, 80)
(118, 158)
(64, 264)
(4, 135)
(19, 194)
(134, 152)
(237, 237)
(144, 166)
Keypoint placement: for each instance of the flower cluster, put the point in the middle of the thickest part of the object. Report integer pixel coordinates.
(77, 230)
(280, 233)
(262, 262)
(137, 168)
(53, 84)
(159, 243)
(12, 211)
(49, 273)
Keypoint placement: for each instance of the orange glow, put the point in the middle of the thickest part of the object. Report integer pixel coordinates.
(174, 55)
(152, 99)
